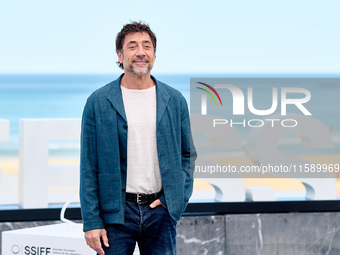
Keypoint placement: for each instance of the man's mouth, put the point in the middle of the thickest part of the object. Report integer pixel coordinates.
(141, 61)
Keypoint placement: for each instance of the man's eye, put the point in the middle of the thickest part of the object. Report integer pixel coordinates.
(147, 46)
(131, 47)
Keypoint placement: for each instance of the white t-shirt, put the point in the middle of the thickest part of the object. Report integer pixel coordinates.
(143, 175)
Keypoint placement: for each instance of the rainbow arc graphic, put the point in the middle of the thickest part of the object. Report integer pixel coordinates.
(209, 93)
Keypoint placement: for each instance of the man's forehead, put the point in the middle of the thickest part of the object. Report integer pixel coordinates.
(137, 36)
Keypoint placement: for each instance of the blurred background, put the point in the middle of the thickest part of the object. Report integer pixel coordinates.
(53, 54)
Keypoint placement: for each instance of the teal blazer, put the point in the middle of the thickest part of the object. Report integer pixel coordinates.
(103, 162)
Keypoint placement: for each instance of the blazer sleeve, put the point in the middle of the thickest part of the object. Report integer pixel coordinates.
(189, 154)
(89, 194)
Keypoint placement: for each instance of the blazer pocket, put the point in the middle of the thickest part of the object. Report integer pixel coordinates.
(109, 192)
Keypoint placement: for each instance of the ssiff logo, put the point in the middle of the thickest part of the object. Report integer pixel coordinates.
(15, 249)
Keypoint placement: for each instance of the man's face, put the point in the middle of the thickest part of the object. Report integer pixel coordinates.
(137, 55)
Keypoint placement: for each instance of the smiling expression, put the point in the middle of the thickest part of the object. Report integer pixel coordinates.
(137, 54)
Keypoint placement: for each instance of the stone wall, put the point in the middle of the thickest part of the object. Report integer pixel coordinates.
(250, 234)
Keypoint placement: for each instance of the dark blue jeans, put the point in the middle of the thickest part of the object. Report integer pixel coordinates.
(153, 229)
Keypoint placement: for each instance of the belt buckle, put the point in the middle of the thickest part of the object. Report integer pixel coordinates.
(138, 198)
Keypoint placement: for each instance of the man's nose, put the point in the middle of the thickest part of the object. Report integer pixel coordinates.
(140, 51)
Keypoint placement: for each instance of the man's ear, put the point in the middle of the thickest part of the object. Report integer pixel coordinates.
(120, 56)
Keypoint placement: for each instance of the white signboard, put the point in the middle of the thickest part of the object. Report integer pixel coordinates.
(61, 239)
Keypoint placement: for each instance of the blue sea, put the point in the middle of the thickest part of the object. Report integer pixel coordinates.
(54, 96)
(64, 96)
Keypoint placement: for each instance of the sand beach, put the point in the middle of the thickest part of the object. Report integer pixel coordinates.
(9, 180)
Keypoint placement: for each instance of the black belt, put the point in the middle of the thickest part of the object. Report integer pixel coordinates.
(143, 198)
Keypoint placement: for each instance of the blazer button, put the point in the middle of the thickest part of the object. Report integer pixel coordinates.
(125, 127)
(123, 158)
(123, 190)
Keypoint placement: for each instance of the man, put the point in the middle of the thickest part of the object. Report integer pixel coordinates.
(137, 155)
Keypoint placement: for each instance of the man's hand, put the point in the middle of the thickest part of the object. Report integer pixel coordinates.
(93, 237)
(156, 203)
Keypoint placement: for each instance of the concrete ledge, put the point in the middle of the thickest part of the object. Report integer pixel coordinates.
(293, 234)
(201, 235)
(249, 234)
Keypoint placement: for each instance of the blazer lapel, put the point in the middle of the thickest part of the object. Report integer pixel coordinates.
(162, 100)
(116, 98)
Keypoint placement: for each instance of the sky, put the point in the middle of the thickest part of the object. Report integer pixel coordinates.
(78, 36)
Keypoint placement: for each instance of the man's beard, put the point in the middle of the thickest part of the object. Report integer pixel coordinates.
(142, 72)
(131, 68)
